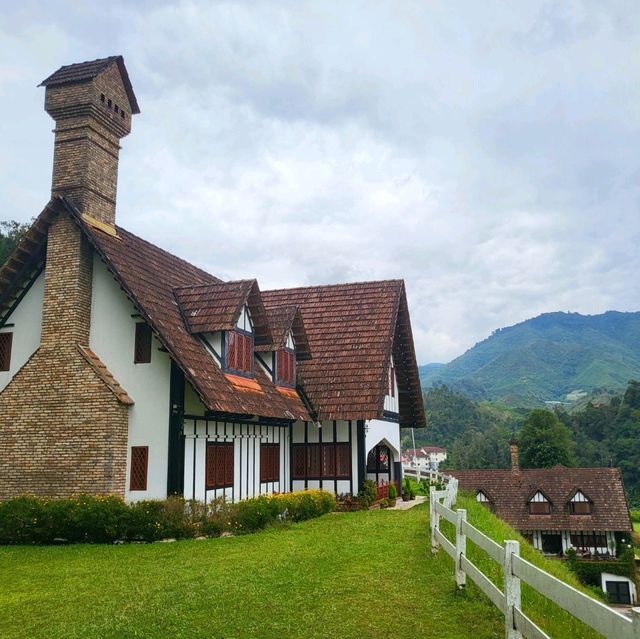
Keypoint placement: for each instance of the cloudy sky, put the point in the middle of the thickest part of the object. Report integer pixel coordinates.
(486, 152)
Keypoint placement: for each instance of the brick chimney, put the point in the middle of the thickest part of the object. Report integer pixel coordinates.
(515, 462)
(92, 104)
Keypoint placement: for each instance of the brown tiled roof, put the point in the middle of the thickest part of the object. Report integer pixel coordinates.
(105, 375)
(283, 319)
(207, 308)
(84, 71)
(510, 491)
(352, 330)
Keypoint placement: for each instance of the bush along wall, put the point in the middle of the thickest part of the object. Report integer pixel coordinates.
(107, 518)
(589, 571)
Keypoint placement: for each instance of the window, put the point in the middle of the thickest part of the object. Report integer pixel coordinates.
(6, 339)
(219, 465)
(588, 540)
(321, 461)
(378, 460)
(269, 462)
(142, 347)
(239, 349)
(481, 497)
(579, 505)
(139, 464)
(539, 505)
(286, 367)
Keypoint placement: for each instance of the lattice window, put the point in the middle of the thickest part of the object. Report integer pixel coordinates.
(321, 461)
(6, 340)
(142, 347)
(328, 460)
(219, 465)
(269, 462)
(139, 465)
(343, 460)
(299, 454)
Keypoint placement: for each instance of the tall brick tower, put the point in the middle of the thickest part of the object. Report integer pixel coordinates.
(62, 428)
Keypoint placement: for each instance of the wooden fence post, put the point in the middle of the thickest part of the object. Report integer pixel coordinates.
(635, 619)
(461, 548)
(434, 519)
(511, 590)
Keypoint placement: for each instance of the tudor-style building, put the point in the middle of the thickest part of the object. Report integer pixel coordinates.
(126, 370)
(556, 508)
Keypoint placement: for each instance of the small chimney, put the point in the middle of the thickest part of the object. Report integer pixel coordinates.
(515, 462)
(92, 104)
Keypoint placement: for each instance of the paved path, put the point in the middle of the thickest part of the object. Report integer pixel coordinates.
(405, 505)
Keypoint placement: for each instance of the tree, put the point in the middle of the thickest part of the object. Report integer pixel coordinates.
(11, 233)
(545, 441)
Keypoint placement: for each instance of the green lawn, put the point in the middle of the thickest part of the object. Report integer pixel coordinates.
(360, 575)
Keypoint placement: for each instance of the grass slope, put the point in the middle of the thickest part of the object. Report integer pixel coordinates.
(361, 575)
(546, 357)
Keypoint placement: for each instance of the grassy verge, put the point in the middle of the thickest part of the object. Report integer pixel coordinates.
(551, 618)
(349, 575)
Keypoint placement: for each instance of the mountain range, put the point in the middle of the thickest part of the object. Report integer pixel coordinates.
(555, 357)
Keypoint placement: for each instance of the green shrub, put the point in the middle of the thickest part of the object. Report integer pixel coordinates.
(393, 493)
(107, 518)
(368, 493)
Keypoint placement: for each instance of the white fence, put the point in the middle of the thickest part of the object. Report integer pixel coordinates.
(595, 614)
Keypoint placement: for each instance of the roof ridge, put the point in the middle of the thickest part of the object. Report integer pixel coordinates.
(342, 284)
(218, 283)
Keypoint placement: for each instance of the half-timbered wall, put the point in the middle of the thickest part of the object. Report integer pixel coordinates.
(27, 328)
(391, 402)
(113, 321)
(385, 434)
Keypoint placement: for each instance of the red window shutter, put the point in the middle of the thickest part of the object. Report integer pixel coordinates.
(313, 461)
(219, 465)
(228, 464)
(142, 347)
(6, 340)
(328, 460)
(275, 462)
(279, 364)
(139, 464)
(210, 467)
(299, 454)
(343, 460)
(248, 353)
(231, 349)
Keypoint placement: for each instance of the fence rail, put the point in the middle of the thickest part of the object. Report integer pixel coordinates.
(593, 613)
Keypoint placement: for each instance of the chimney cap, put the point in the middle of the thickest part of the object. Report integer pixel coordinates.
(85, 71)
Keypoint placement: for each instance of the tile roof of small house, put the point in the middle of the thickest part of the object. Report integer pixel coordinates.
(105, 375)
(350, 330)
(283, 319)
(85, 71)
(217, 306)
(509, 493)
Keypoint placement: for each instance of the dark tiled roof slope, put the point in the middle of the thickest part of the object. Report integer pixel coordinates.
(352, 329)
(85, 71)
(207, 308)
(510, 491)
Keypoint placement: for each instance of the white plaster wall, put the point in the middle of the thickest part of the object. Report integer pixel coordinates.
(112, 339)
(377, 430)
(27, 329)
(606, 576)
(246, 464)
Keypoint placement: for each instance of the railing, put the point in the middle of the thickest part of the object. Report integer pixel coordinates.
(593, 613)
(382, 490)
(422, 473)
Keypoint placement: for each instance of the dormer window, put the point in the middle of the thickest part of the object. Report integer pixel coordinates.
(481, 497)
(580, 504)
(239, 346)
(539, 505)
(239, 352)
(286, 363)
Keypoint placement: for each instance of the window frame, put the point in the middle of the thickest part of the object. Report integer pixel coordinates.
(244, 335)
(218, 449)
(378, 467)
(142, 349)
(269, 462)
(322, 451)
(5, 361)
(135, 450)
(278, 378)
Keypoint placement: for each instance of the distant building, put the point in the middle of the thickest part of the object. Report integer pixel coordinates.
(424, 458)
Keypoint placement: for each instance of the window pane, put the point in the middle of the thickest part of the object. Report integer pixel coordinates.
(139, 463)
(299, 454)
(142, 348)
(343, 460)
(6, 340)
(328, 460)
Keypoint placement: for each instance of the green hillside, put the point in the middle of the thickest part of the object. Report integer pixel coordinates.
(546, 358)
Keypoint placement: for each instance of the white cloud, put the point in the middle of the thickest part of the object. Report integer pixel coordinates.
(487, 153)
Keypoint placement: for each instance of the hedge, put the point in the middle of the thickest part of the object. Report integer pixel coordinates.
(107, 518)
